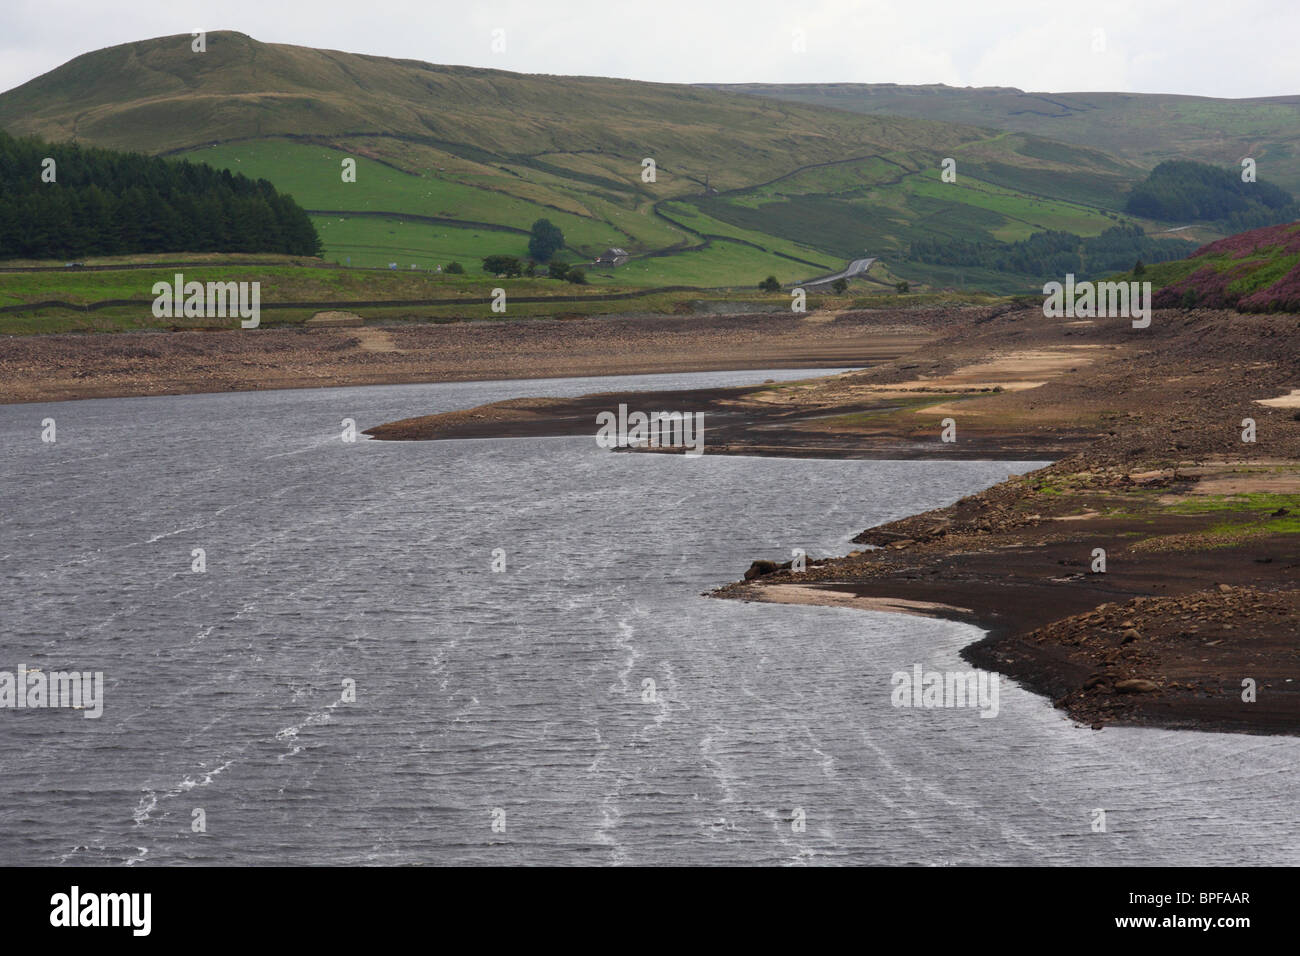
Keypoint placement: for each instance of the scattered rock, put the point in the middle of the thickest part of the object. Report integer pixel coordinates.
(1136, 685)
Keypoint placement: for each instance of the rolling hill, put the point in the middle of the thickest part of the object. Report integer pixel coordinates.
(455, 163)
(1144, 128)
(1254, 271)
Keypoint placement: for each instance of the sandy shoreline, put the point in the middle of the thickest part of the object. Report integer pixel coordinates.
(816, 595)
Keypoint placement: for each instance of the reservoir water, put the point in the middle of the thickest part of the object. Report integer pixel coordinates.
(507, 717)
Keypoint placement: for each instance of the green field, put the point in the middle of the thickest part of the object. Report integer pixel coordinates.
(798, 188)
(374, 243)
(879, 206)
(312, 175)
(418, 296)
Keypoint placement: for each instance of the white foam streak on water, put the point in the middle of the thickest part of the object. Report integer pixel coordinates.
(521, 690)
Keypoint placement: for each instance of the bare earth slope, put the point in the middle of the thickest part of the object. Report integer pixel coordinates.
(59, 367)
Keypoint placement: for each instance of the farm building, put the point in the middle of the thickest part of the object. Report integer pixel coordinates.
(612, 257)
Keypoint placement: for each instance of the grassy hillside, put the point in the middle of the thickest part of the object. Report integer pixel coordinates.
(1145, 128)
(455, 163)
(158, 96)
(1255, 271)
(114, 293)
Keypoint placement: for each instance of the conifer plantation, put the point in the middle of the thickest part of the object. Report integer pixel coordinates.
(103, 202)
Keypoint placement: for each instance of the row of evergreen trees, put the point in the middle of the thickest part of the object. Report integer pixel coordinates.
(1053, 252)
(1185, 191)
(108, 203)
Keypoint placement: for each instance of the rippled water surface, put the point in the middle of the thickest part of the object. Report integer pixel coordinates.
(521, 696)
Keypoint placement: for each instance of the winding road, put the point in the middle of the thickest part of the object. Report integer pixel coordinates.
(855, 268)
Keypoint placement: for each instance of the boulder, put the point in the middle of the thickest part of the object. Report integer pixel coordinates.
(1136, 685)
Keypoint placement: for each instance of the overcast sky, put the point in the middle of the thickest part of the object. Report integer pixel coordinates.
(1206, 47)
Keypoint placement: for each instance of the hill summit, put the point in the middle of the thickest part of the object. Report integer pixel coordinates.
(159, 96)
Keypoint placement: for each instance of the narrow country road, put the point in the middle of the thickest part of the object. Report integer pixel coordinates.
(854, 268)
